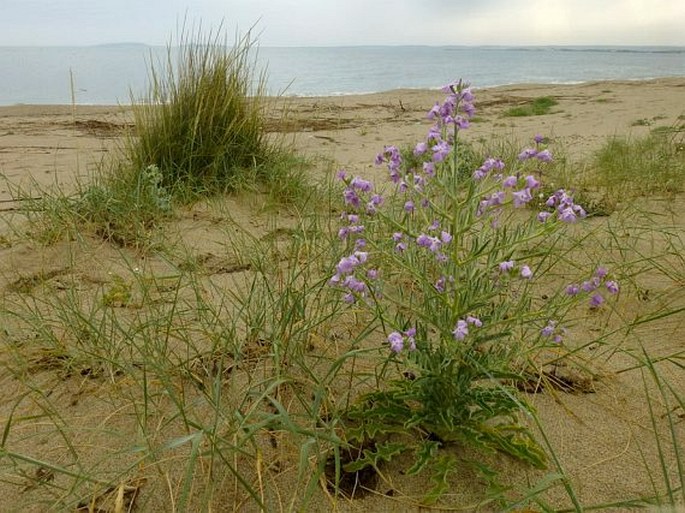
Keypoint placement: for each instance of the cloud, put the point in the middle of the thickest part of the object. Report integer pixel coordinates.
(346, 22)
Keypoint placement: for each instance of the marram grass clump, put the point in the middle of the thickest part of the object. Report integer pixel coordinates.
(202, 122)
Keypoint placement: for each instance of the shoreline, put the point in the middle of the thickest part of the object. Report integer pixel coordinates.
(436, 89)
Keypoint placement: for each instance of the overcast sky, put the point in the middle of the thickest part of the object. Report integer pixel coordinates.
(350, 22)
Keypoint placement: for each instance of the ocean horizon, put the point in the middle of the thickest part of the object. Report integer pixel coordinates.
(115, 73)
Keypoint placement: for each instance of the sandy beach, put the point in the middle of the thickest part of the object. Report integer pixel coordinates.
(604, 437)
(54, 145)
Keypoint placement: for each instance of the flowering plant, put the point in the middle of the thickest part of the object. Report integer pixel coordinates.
(447, 264)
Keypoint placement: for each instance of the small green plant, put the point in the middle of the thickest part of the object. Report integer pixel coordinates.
(125, 206)
(119, 293)
(536, 107)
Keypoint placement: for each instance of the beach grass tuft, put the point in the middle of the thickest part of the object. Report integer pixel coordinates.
(631, 167)
(202, 122)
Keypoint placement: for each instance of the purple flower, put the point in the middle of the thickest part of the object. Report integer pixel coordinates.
(429, 168)
(506, 266)
(440, 284)
(572, 290)
(527, 153)
(349, 298)
(401, 247)
(470, 319)
(468, 109)
(372, 274)
(601, 272)
(479, 174)
(489, 164)
(596, 301)
(445, 237)
(354, 284)
(420, 149)
(409, 206)
(531, 182)
(440, 151)
(424, 240)
(497, 198)
(544, 156)
(466, 94)
(435, 110)
(360, 243)
(341, 175)
(567, 215)
(361, 184)
(397, 236)
(522, 197)
(461, 122)
(510, 181)
(347, 264)
(396, 341)
(548, 330)
(351, 197)
(543, 216)
(612, 287)
(526, 272)
(580, 211)
(538, 139)
(460, 330)
(588, 286)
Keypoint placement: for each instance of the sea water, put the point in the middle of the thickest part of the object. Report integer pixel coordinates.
(111, 74)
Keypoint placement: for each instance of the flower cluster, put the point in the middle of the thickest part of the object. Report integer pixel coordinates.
(459, 101)
(345, 276)
(533, 153)
(358, 191)
(593, 287)
(543, 155)
(450, 116)
(553, 331)
(461, 329)
(397, 340)
(353, 228)
(522, 187)
(434, 244)
(489, 164)
(567, 211)
(508, 266)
